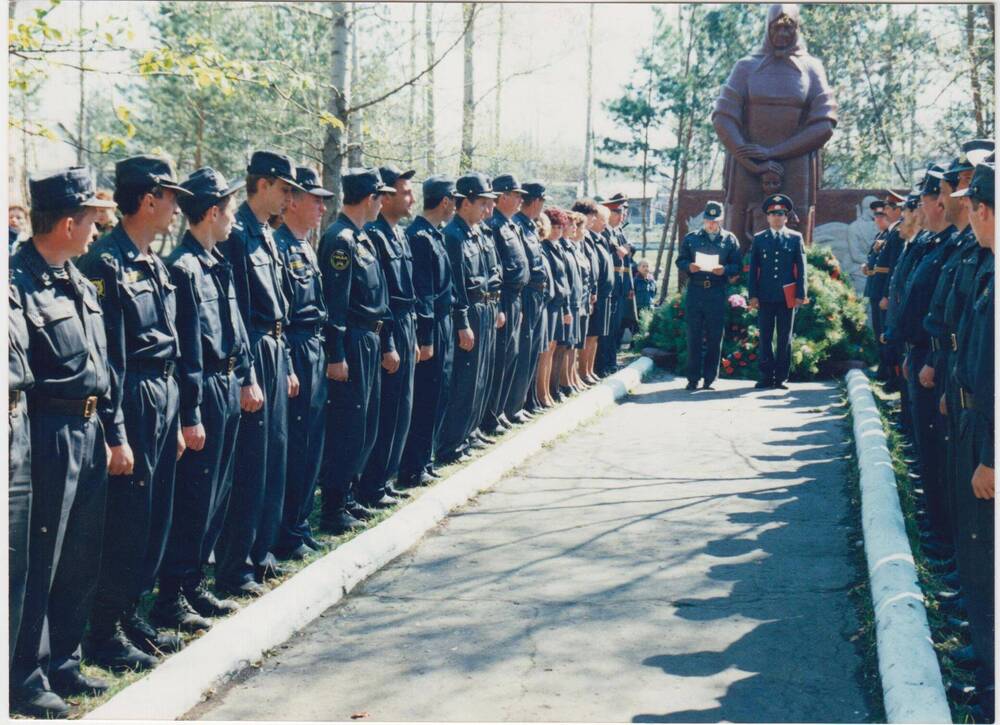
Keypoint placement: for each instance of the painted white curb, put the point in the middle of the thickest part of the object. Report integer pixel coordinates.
(912, 689)
(178, 683)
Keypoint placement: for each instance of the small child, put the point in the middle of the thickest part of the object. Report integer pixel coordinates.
(645, 286)
(770, 183)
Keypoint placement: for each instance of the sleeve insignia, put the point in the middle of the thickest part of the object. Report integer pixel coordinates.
(99, 285)
(108, 258)
(340, 260)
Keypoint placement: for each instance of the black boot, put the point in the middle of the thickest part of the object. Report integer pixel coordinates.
(74, 682)
(109, 647)
(42, 704)
(142, 634)
(207, 604)
(173, 610)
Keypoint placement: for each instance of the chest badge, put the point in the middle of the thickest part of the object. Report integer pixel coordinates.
(340, 260)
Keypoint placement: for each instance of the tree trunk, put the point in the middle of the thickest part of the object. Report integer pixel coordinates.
(498, 99)
(81, 119)
(429, 119)
(333, 144)
(411, 115)
(977, 94)
(355, 145)
(588, 140)
(675, 224)
(468, 97)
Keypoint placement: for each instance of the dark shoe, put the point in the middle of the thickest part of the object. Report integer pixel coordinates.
(558, 396)
(965, 658)
(478, 444)
(207, 604)
(299, 553)
(339, 522)
(946, 594)
(386, 502)
(144, 636)
(423, 479)
(521, 418)
(763, 384)
(361, 513)
(502, 420)
(116, 652)
(951, 580)
(74, 682)
(692, 385)
(433, 472)
(41, 704)
(249, 588)
(779, 386)
(566, 391)
(707, 386)
(268, 572)
(936, 551)
(314, 544)
(488, 439)
(175, 612)
(396, 493)
(954, 608)
(957, 625)
(960, 692)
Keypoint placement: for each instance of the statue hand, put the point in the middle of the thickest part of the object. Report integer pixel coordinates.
(751, 151)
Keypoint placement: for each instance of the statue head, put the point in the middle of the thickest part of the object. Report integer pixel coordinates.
(783, 30)
(770, 182)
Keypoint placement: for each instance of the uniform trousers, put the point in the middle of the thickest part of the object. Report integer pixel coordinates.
(929, 441)
(18, 515)
(878, 327)
(69, 487)
(464, 391)
(487, 368)
(705, 310)
(508, 339)
(306, 435)
(529, 345)
(255, 502)
(431, 392)
(204, 480)
(395, 409)
(775, 320)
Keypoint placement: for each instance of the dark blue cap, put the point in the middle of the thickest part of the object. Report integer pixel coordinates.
(474, 184)
(359, 182)
(713, 210)
(894, 198)
(973, 152)
(507, 183)
(982, 186)
(145, 170)
(776, 202)
(309, 181)
(273, 164)
(439, 187)
(206, 187)
(912, 201)
(391, 174)
(932, 181)
(66, 188)
(534, 190)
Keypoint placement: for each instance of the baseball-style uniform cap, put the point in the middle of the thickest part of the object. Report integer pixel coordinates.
(309, 180)
(273, 164)
(912, 201)
(982, 187)
(534, 190)
(204, 188)
(144, 170)
(390, 174)
(364, 182)
(473, 185)
(439, 186)
(66, 188)
(932, 181)
(777, 202)
(713, 210)
(507, 183)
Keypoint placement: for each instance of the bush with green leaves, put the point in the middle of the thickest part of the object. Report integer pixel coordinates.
(831, 328)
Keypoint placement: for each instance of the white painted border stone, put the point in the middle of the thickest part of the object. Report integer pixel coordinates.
(912, 689)
(178, 683)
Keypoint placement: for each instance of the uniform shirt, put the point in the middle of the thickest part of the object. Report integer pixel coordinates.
(871, 260)
(588, 285)
(432, 279)
(397, 263)
(303, 283)
(886, 260)
(354, 286)
(494, 264)
(209, 324)
(65, 346)
(469, 268)
(912, 252)
(724, 245)
(510, 248)
(957, 245)
(623, 278)
(776, 259)
(605, 269)
(915, 296)
(561, 282)
(140, 312)
(538, 273)
(17, 348)
(974, 361)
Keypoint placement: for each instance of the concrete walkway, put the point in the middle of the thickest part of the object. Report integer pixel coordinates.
(683, 558)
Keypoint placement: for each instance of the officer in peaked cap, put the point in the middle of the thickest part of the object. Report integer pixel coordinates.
(306, 317)
(244, 557)
(435, 307)
(885, 262)
(777, 286)
(65, 351)
(213, 369)
(624, 290)
(705, 296)
(871, 291)
(141, 423)
(358, 340)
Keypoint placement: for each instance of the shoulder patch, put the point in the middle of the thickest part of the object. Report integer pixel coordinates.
(340, 260)
(99, 286)
(108, 258)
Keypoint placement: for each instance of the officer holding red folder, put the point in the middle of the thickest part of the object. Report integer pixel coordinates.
(777, 283)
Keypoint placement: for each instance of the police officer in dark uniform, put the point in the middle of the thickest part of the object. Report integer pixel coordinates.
(872, 290)
(435, 305)
(306, 317)
(532, 305)
(623, 293)
(67, 355)
(140, 306)
(396, 397)
(495, 321)
(358, 341)
(777, 286)
(884, 264)
(243, 554)
(18, 464)
(472, 271)
(516, 275)
(705, 298)
(214, 363)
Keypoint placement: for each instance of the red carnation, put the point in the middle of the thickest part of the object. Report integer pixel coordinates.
(752, 356)
(737, 355)
(743, 363)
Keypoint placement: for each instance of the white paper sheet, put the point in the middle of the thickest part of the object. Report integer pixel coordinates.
(706, 262)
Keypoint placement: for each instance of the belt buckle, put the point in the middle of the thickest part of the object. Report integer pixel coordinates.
(89, 406)
(230, 364)
(277, 328)
(378, 327)
(707, 283)
(168, 368)
(954, 342)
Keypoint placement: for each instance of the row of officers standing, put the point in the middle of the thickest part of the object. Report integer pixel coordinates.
(165, 413)
(931, 287)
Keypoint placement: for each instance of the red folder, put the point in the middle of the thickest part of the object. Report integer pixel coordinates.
(789, 290)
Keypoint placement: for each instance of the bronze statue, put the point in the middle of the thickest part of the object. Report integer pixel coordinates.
(773, 115)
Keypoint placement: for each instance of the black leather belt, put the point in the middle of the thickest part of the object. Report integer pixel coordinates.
(153, 366)
(365, 324)
(84, 407)
(308, 328)
(14, 397)
(966, 400)
(226, 365)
